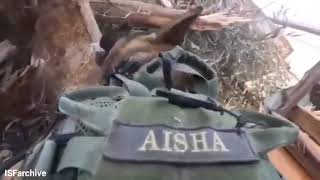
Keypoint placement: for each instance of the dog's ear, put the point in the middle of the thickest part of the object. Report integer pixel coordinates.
(175, 32)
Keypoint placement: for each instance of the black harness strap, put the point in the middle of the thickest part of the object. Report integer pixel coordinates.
(194, 102)
(166, 69)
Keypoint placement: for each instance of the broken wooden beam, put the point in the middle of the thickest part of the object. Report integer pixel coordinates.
(287, 165)
(306, 121)
(307, 152)
(300, 90)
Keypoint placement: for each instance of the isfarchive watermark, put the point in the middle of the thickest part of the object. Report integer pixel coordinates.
(29, 173)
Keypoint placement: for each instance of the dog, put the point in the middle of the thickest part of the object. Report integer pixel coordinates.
(140, 50)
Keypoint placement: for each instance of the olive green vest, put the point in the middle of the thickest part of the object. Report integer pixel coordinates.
(131, 132)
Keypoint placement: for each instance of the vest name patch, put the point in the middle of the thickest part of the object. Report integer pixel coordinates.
(174, 141)
(163, 144)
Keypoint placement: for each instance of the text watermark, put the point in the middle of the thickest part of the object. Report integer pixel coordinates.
(29, 173)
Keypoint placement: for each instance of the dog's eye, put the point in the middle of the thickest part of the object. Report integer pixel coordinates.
(107, 42)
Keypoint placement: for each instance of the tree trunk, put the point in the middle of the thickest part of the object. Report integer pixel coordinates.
(62, 60)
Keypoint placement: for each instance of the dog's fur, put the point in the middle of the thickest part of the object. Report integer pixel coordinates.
(142, 49)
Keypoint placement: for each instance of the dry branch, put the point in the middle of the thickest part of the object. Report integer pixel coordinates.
(144, 14)
(296, 25)
(90, 21)
(216, 21)
(6, 49)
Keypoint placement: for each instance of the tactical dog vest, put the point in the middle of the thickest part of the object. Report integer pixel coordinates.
(132, 133)
(150, 138)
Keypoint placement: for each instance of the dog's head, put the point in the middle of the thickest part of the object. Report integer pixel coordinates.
(142, 49)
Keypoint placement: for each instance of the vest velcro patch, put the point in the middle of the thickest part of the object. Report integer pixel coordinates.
(164, 144)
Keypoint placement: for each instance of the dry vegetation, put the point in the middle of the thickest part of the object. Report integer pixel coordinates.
(249, 68)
